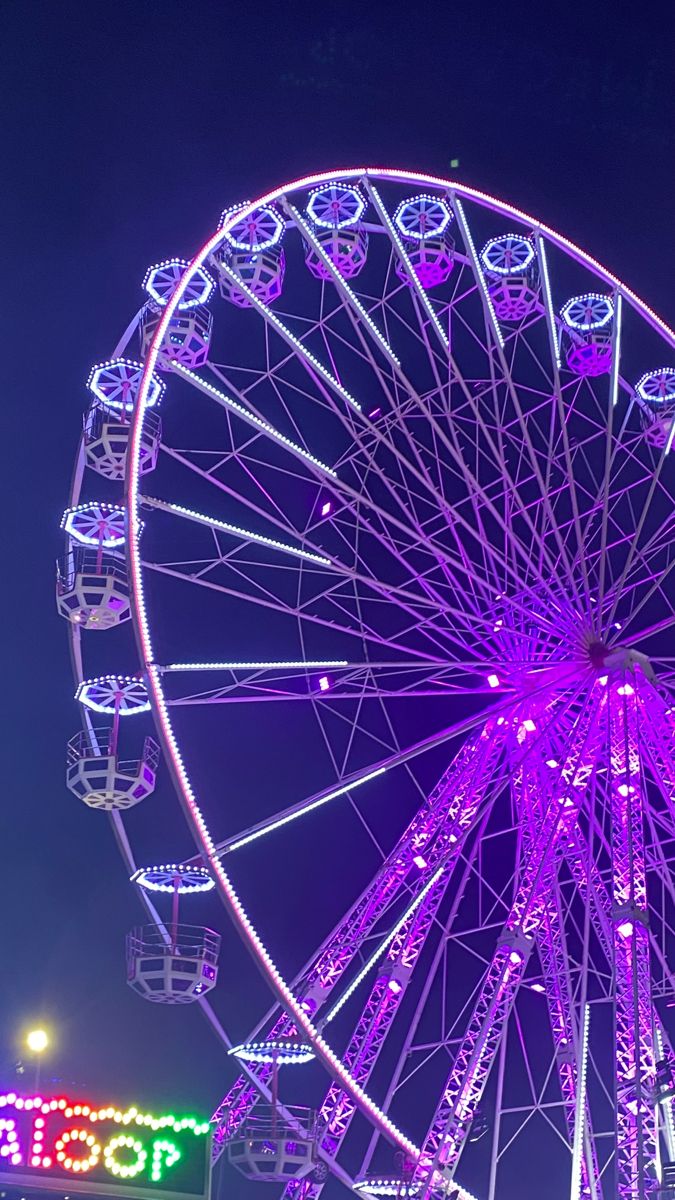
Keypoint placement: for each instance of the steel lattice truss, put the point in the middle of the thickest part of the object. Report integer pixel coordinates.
(409, 561)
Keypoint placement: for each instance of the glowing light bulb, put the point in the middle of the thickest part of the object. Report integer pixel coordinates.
(37, 1040)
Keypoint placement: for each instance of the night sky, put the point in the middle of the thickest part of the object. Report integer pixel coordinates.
(127, 128)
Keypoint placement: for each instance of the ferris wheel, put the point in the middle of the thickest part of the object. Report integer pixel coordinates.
(381, 480)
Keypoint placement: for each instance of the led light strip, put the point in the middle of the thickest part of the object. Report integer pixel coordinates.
(555, 343)
(339, 1004)
(343, 285)
(394, 235)
(127, 1117)
(330, 1060)
(288, 336)
(580, 1120)
(616, 355)
(254, 666)
(667, 1105)
(251, 418)
(180, 511)
(300, 812)
(468, 239)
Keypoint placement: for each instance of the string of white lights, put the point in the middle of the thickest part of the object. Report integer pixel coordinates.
(377, 953)
(224, 526)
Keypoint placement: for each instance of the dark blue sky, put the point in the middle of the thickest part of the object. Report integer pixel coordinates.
(127, 127)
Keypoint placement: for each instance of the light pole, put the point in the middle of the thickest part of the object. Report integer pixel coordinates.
(37, 1041)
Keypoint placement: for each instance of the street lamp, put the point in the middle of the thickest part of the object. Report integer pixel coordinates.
(37, 1041)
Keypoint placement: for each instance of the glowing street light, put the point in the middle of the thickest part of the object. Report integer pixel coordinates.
(37, 1041)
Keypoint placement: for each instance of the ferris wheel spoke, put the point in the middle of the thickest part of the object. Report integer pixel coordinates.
(408, 601)
(657, 586)
(251, 418)
(347, 784)
(449, 443)
(355, 307)
(562, 416)
(632, 549)
(613, 390)
(431, 601)
(235, 531)
(403, 257)
(316, 559)
(492, 323)
(616, 588)
(387, 590)
(277, 605)
(453, 512)
(315, 369)
(324, 680)
(350, 297)
(424, 301)
(494, 443)
(456, 561)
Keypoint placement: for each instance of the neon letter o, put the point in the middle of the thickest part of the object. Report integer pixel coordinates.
(125, 1170)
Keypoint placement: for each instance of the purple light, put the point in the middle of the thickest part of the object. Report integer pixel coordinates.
(326, 508)
(324, 683)
(625, 929)
(493, 681)
(420, 862)
(375, 413)
(395, 987)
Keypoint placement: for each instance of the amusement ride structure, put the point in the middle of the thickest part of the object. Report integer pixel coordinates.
(381, 481)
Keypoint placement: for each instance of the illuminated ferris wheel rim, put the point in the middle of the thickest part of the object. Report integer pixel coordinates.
(154, 676)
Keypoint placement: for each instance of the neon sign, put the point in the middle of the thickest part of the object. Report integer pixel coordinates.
(55, 1143)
